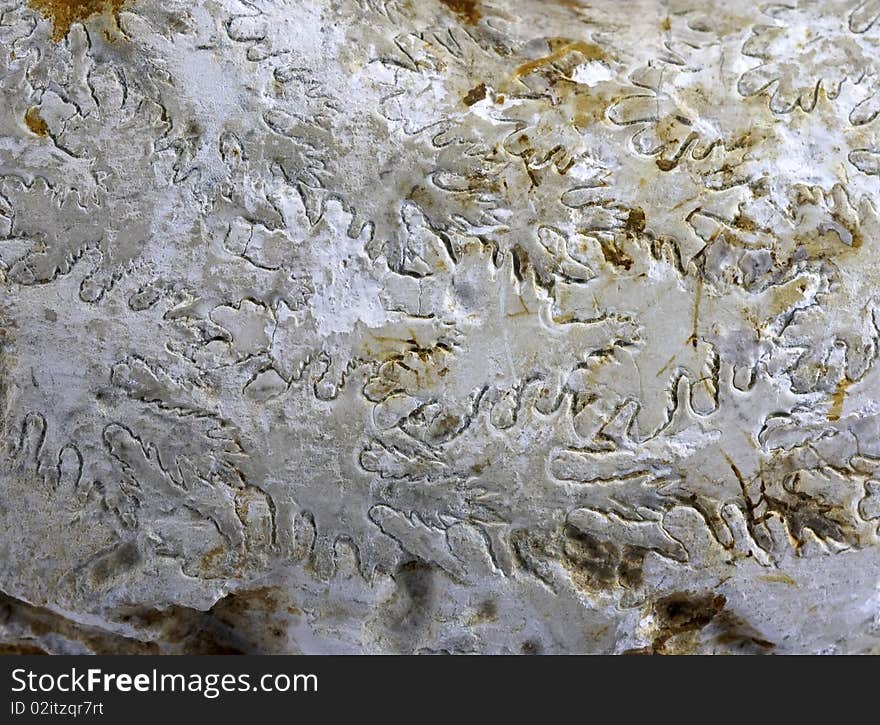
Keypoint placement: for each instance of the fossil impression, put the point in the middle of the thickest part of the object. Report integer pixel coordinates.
(471, 326)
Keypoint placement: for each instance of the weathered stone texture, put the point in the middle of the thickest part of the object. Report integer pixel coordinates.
(439, 325)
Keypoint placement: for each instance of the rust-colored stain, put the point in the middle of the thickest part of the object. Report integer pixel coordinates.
(588, 50)
(475, 95)
(24, 648)
(589, 108)
(64, 13)
(614, 254)
(697, 296)
(837, 399)
(682, 612)
(35, 122)
(465, 9)
(635, 221)
(213, 557)
(681, 617)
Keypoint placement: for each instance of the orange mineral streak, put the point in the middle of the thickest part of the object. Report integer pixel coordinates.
(562, 48)
(838, 397)
(64, 13)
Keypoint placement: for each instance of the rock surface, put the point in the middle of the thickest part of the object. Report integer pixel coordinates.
(439, 326)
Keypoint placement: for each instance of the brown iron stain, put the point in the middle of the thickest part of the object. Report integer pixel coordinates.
(589, 108)
(22, 648)
(187, 630)
(35, 122)
(242, 602)
(467, 10)
(666, 366)
(853, 229)
(668, 164)
(694, 338)
(242, 622)
(635, 221)
(738, 633)
(42, 622)
(409, 364)
(486, 613)
(837, 399)
(802, 512)
(613, 254)
(743, 222)
(64, 13)
(681, 616)
(594, 564)
(478, 468)
(212, 558)
(779, 578)
(475, 94)
(562, 48)
(684, 612)
(827, 242)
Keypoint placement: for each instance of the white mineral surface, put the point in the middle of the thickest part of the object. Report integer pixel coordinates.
(493, 326)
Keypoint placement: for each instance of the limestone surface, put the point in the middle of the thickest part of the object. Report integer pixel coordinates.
(412, 326)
